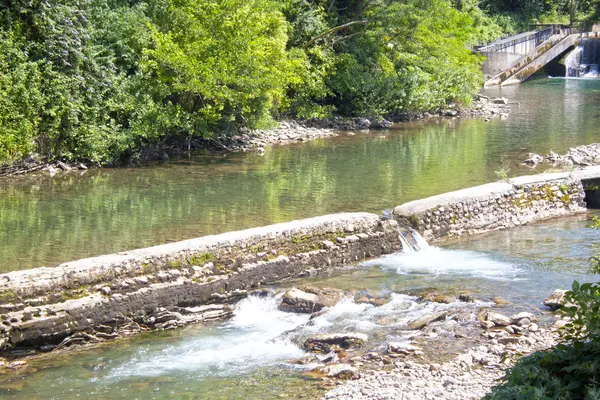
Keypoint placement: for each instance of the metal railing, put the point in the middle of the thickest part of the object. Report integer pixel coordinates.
(539, 34)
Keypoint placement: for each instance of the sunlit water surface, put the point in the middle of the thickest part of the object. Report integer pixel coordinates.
(250, 356)
(46, 221)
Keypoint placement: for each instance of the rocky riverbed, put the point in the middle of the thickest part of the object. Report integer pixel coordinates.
(580, 156)
(427, 366)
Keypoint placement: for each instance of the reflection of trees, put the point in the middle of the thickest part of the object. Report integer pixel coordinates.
(45, 221)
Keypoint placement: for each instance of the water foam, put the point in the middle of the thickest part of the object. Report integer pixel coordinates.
(436, 261)
(247, 342)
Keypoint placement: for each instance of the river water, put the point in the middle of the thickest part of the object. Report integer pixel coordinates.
(46, 221)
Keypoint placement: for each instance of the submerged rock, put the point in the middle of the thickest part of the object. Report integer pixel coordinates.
(426, 320)
(402, 348)
(331, 342)
(307, 300)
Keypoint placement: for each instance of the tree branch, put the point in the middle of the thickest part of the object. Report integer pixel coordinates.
(332, 30)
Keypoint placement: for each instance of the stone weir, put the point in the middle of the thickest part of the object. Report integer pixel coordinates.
(163, 287)
(499, 205)
(194, 281)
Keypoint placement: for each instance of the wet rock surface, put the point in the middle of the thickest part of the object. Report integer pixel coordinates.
(580, 156)
(310, 299)
(406, 372)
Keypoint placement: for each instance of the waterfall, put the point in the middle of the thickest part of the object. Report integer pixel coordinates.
(422, 244)
(406, 246)
(583, 61)
(412, 241)
(573, 61)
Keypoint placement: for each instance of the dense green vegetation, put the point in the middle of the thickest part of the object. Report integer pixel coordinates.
(97, 80)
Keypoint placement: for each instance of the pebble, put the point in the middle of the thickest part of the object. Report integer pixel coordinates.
(458, 379)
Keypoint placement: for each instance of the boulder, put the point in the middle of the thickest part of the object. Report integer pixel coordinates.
(516, 319)
(426, 320)
(308, 299)
(498, 319)
(366, 298)
(402, 348)
(339, 371)
(327, 343)
(556, 300)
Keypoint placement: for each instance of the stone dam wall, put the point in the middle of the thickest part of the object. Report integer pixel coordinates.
(498, 205)
(195, 281)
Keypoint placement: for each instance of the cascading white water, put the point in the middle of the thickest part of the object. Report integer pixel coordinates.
(420, 240)
(583, 61)
(573, 61)
(406, 246)
(423, 259)
(246, 342)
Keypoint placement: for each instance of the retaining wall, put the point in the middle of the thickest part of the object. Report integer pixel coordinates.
(494, 206)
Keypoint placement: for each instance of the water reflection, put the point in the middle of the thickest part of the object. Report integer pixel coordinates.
(45, 221)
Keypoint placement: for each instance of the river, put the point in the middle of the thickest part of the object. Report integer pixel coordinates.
(247, 357)
(46, 221)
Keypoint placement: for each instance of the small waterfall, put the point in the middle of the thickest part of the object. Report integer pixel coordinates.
(583, 61)
(573, 61)
(406, 246)
(422, 244)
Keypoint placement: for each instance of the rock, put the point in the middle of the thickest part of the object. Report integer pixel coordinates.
(366, 298)
(465, 358)
(500, 100)
(363, 123)
(515, 319)
(310, 299)
(466, 298)
(339, 371)
(534, 159)
(402, 348)
(509, 340)
(497, 319)
(436, 297)
(500, 301)
(297, 301)
(426, 320)
(382, 124)
(556, 300)
(327, 343)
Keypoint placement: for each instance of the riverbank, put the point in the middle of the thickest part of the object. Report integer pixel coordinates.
(578, 157)
(286, 132)
(468, 376)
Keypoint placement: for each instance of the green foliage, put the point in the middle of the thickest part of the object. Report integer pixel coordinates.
(98, 80)
(571, 369)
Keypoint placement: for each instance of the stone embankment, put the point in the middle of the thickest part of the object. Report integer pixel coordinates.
(197, 280)
(171, 285)
(301, 131)
(495, 206)
(580, 156)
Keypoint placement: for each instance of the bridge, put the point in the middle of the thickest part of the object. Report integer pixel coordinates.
(512, 60)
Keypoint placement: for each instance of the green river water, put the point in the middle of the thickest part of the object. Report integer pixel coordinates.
(46, 221)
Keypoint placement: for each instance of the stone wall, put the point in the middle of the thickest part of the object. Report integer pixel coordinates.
(494, 206)
(163, 286)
